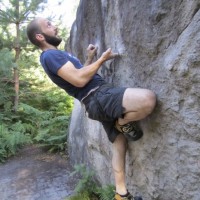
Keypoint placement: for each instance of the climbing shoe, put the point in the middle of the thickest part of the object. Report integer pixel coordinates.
(128, 196)
(130, 130)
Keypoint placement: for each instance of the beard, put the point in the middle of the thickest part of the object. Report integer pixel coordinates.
(53, 40)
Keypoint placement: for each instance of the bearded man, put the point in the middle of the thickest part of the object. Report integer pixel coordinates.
(117, 108)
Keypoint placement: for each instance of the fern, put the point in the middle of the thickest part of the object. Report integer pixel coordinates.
(55, 121)
(11, 141)
(82, 196)
(43, 112)
(6, 85)
(3, 154)
(106, 192)
(29, 110)
(52, 142)
(86, 183)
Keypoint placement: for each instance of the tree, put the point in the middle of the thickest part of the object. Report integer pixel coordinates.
(13, 15)
(44, 111)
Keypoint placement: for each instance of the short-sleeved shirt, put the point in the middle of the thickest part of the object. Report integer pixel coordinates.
(52, 60)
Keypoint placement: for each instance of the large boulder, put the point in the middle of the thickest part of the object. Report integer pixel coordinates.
(160, 45)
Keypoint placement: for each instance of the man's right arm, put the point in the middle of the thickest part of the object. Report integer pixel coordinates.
(80, 77)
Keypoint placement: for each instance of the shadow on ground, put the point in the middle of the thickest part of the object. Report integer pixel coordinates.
(36, 175)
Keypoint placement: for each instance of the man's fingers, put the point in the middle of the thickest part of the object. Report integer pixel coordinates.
(91, 51)
(112, 55)
(108, 50)
(91, 47)
(115, 54)
(108, 54)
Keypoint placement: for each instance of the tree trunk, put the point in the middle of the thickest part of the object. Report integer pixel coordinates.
(17, 53)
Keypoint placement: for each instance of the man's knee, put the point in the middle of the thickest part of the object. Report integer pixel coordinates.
(149, 101)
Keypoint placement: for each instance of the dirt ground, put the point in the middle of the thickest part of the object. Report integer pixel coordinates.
(34, 174)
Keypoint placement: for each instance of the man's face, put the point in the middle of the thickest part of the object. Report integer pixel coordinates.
(50, 32)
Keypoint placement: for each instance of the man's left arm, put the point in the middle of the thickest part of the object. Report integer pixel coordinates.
(91, 53)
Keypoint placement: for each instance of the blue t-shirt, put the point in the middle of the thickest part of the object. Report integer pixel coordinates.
(52, 60)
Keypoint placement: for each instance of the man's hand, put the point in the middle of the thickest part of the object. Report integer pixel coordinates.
(91, 51)
(108, 54)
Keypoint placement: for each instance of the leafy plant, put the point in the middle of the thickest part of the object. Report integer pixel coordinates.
(82, 196)
(88, 189)
(42, 111)
(106, 192)
(11, 139)
(86, 183)
(50, 130)
(53, 133)
(6, 88)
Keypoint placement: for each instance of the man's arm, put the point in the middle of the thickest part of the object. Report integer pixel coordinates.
(91, 53)
(80, 77)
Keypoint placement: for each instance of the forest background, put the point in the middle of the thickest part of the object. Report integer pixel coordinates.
(32, 109)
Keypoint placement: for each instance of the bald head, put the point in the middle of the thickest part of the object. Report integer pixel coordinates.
(32, 29)
(42, 33)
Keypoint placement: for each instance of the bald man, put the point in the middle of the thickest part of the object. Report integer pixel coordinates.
(117, 108)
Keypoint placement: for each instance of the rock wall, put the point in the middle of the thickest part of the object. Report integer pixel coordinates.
(160, 45)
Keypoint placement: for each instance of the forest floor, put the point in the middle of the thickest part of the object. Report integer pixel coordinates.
(34, 174)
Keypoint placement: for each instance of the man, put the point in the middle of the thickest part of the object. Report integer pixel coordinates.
(117, 108)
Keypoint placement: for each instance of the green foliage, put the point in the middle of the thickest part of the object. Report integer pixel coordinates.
(47, 128)
(6, 89)
(6, 63)
(88, 189)
(44, 111)
(86, 186)
(82, 196)
(86, 183)
(15, 12)
(106, 192)
(30, 124)
(53, 133)
(11, 139)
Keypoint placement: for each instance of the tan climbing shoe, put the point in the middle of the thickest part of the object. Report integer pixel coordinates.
(130, 130)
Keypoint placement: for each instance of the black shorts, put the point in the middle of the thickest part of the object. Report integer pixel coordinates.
(105, 106)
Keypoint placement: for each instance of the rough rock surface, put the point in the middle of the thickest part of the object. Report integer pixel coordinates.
(160, 45)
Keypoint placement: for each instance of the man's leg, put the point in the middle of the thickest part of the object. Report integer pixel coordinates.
(118, 163)
(138, 104)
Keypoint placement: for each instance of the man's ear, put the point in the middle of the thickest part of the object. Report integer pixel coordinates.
(39, 37)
